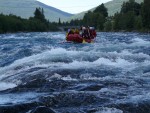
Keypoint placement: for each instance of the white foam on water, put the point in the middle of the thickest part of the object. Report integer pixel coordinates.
(35, 36)
(68, 78)
(138, 55)
(4, 85)
(38, 61)
(108, 110)
(88, 76)
(104, 90)
(77, 65)
(56, 76)
(12, 36)
(136, 42)
(136, 98)
(117, 62)
(126, 53)
(140, 42)
(18, 98)
(139, 98)
(58, 36)
(121, 63)
(43, 60)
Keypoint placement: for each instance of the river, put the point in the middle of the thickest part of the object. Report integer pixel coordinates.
(40, 71)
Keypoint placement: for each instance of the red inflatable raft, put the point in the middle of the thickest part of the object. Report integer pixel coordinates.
(79, 39)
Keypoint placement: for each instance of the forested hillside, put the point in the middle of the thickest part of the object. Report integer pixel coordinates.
(133, 16)
(37, 23)
(113, 7)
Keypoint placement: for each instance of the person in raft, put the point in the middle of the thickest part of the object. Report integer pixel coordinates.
(85, 32)
(88, 33)
(92, 32)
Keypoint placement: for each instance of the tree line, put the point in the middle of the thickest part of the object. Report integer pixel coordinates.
(96, 18)
(38, 23)
(133, 16)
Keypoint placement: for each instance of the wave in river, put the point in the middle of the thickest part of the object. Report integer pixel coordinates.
(40, 69)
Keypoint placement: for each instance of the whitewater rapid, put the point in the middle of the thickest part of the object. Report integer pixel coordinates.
(120, 62)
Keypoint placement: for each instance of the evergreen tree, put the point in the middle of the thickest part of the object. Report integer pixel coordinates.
(138, 23)
(101, 9)
(39, 14)
(146, 14)
(96, 18)
(117, 18)
(131, 6)
(59, 22)
(87, 18)
(130, 18)
(100, 21)
(108, 26)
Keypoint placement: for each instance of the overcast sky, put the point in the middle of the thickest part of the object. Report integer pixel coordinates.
(74, 6)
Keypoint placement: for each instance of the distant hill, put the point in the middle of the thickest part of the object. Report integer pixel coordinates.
(113, 7)
(26, 8)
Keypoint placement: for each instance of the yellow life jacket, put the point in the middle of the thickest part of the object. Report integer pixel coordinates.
(83, 41)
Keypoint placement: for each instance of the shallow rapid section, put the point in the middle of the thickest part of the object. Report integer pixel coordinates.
(41, 72)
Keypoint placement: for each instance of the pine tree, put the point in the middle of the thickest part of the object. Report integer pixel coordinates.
(146, 14)
(59, 22)
(101, 9)
(131, 6)
(39, 14)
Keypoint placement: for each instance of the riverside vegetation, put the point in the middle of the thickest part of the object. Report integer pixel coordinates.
(132, 17)
(12, 23)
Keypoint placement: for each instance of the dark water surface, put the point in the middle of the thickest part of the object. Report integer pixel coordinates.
(41, 74)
